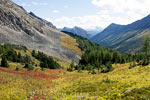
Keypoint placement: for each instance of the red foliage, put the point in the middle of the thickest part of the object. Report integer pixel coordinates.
(37, 97)
(55, 70)
(34, 74)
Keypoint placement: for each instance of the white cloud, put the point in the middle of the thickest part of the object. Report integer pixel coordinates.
(110, 11)
(87, 22)
(102, 19)
(55, 11)
(127, 9)
(34, 4)
(123, 5)
(48, 19)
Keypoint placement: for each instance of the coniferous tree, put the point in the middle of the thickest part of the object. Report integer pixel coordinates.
(4, 62)
(71, 67)
(146, 50)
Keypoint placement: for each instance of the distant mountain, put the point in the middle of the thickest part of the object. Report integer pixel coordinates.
(19, 27)
(43, 20)
(78, 31)
(124, 38)
(94, 31)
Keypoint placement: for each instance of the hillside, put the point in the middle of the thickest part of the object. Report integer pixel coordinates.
(78, 31)
(124, 38)
(18, 27)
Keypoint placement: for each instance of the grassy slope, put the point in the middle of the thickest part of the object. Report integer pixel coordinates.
(71, 44)
(121, 84)
(28, 52)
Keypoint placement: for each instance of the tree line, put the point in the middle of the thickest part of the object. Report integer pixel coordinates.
(45, 61)
(8, 53)
(102, 58)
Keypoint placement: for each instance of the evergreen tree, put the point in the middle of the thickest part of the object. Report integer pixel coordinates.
(4, 62)
(71, 67)
(33, 53)
(146, 45)
(146, 50)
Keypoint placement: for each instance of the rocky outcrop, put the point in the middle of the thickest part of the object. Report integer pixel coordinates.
(43, 20)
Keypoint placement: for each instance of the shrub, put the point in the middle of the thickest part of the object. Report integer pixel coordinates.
(17, 69)
(93, 72)
(28, 66)
(79, 70)
(132, 65)
(107, 80)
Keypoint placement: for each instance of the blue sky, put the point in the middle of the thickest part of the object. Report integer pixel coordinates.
(87, 14)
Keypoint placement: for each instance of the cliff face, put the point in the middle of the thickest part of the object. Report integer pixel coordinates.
(18, 27)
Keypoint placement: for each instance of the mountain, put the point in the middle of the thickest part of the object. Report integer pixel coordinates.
(94, 31)
(78, 31)
(124, 38)
(43, 20)
(20, 28)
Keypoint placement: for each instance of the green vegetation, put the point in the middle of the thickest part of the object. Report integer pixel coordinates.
(17, 68)
(120, 84)
(4, 62)
(125, 81)
(71, 67)
(13, 53)
(98, 57)
(46, 61)
(146, 50)
(28, 66)
(8, 51)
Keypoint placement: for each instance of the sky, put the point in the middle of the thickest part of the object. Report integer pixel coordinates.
(87, 14)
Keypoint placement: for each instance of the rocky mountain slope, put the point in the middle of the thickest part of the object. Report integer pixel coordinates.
(18, 27)
(43, 20)
(78, 31)
(124, 38)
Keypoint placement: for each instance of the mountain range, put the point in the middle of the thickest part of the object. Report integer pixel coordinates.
(94, 31)
(78, 31)
(22, 28)
(124, 38)
(19, 27)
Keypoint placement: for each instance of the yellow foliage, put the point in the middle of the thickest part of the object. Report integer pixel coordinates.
(71, 44)
(75, 86)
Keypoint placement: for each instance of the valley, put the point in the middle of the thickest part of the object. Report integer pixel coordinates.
(43, 61)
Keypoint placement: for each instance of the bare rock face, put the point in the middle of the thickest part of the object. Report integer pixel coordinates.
(43, 20)
(18, 27)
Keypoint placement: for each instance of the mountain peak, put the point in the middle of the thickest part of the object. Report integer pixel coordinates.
(77, 27)
(43, 20)
(114, 24)
(78, 31)
(31, 13)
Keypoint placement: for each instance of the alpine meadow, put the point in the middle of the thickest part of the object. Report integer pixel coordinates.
(73, 50)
